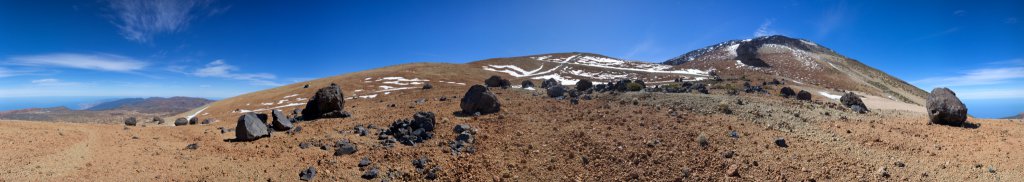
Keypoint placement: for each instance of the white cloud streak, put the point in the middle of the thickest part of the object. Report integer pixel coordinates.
(221, 69)
(764, 29)
(141, 20)
(832, 18)
(100, 62)
(986, 76)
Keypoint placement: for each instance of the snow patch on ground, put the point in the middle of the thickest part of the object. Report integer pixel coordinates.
(368, 96)
(559, 78)
(830, 96)
(197, 113)
(292, 95)
(732, 49)
(600, 75)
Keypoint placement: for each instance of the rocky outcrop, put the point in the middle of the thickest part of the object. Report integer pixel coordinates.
(250, 128)
(327, 103)
(945, 108)
(853, 102)
(479, 99)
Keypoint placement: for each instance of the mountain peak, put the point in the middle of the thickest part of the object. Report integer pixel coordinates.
(746, 47)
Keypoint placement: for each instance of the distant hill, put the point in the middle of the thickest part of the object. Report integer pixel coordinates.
(114, 111)
(1018, 116)
(152, 104)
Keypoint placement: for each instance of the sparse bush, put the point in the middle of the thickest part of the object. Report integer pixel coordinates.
(633, 86)
(702, 140)
(724, 107)
(671, 86)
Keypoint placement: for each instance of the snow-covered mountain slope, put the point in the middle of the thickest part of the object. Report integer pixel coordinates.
(798, 60)
(569, 68)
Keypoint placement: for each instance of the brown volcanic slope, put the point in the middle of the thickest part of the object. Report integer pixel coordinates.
(614, 137)
(802, 61)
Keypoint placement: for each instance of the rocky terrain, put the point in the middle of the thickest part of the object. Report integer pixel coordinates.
(552, 117)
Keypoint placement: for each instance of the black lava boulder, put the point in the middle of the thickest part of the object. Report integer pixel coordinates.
(180, 122)
(556, 91)
(803, 95)
(787, 92)
(852, 101)
(345, 147)
(427, 86)
(308, 174)
(584, 85)
(193, 121)
(549, 82)
(493, 81)
(130, 121)
(281, 121)
(479, 99)
(527, 84)
(327, 103)
(250, 127)
(945, 108)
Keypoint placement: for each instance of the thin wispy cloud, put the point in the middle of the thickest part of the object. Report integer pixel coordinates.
(764, 29)
(52, 82)
(1011, 20)
(832, 18)
(100, 62)
(960, 12)
(985, 76)
(990, 93)
(141, 20)
(221, 69)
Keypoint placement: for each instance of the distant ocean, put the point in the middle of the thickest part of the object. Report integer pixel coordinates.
(8, 103)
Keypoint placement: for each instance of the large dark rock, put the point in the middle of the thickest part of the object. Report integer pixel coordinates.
(549, 82)
(945, 108)
(281, 121)
(527, 84)
(130, 121)
(803, 95)
(479, 99)
(193, 121)
(327, 103)
(180, 122)
(493, 81)
(250, 127)
(427, 86)
(556, 91)
(584, 85)
(787, 92)
(158, 120)
(852, 101)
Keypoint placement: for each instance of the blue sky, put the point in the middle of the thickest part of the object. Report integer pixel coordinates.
(217, 49)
